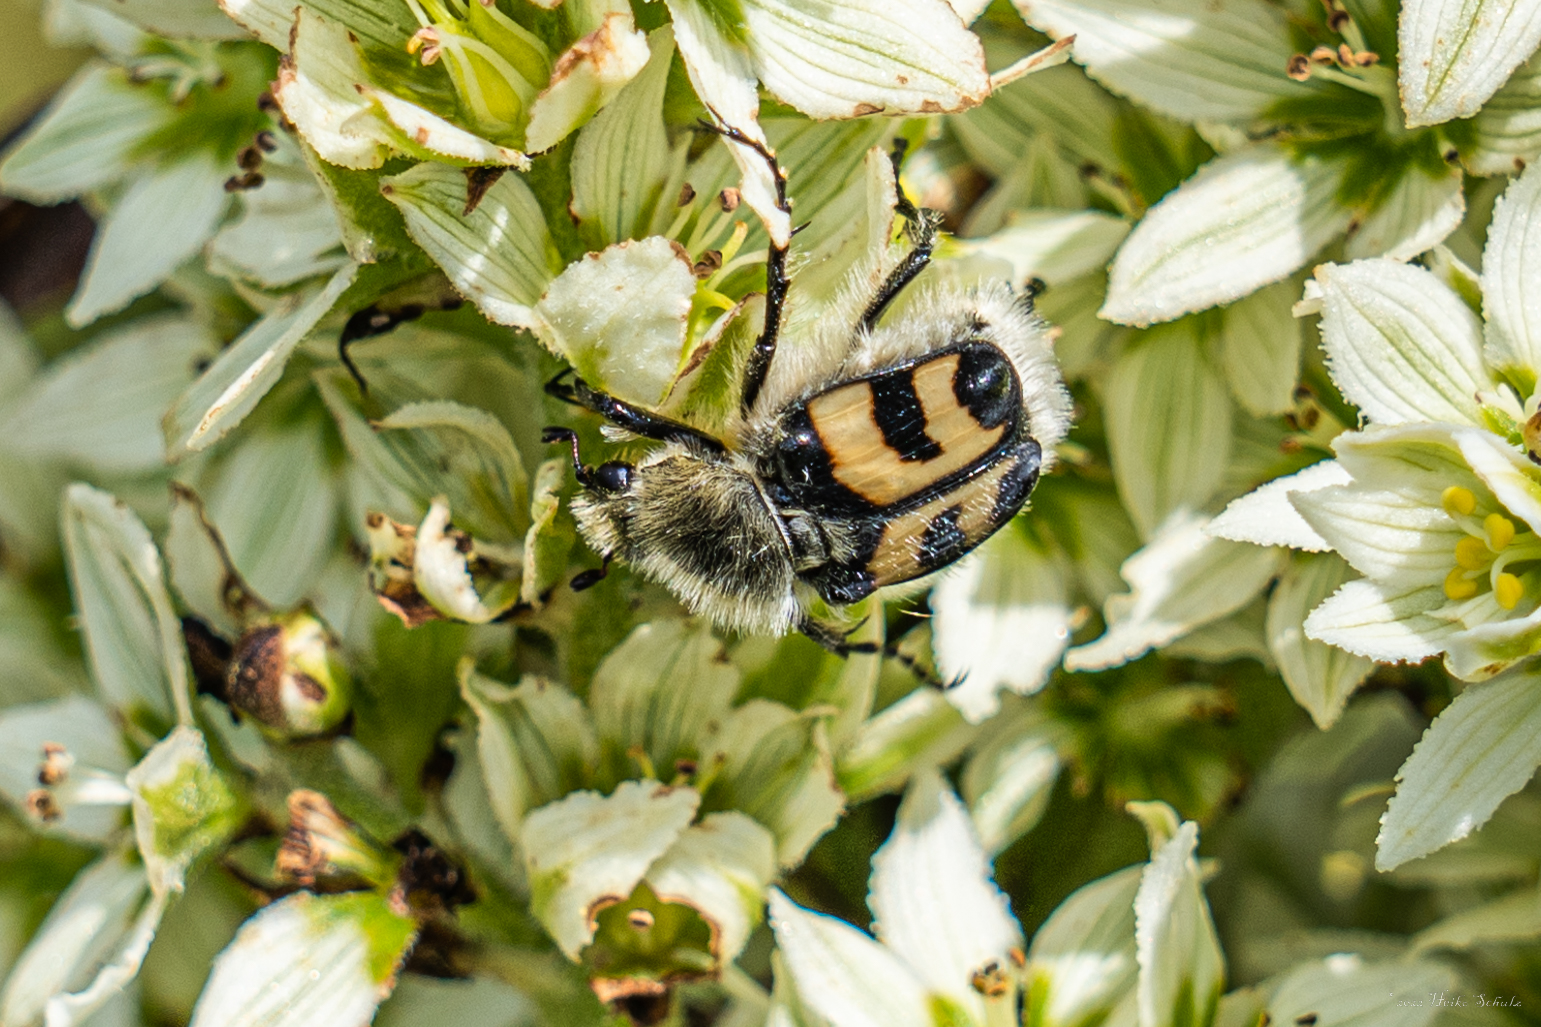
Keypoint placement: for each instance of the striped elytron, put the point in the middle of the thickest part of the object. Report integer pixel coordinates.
(865, 453)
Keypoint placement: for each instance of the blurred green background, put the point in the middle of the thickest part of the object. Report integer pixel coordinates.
(32, 69)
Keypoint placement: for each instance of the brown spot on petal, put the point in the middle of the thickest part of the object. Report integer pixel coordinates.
(41, 804)
(903, 80)
(421, 135)
(932, 107)
(863, 109)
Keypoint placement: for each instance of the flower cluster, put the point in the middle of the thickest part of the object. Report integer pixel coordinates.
(314, 708)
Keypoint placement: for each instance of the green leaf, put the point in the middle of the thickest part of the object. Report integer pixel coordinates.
(551, 535)
(248, 368)
(101, 405)
(536, 743)
(275, 500)
(1259, 344)
(467, 451)
(1320, 677)
(133, 636)
(88, 137)
(773, 764)
(622, 157)
(1169, 426)
(163, 218)
(659, 691)
(499, 256)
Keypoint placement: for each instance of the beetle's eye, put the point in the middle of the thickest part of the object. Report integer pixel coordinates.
(614, 476)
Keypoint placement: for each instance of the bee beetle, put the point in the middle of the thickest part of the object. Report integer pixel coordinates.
(867, 453)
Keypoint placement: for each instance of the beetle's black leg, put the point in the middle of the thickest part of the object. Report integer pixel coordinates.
(559, 434)
(776, 280)
(589, 578)
(834, 639)
(622, 414)
(923, 227)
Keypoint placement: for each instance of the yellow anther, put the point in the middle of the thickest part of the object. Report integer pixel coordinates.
(1457, 586)
(1458, 501)
(1472, 554)
(1500, 531)
(1508, 590)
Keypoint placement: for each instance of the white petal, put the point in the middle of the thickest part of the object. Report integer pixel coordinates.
(102, 404)
(316, 89)
(1169, 421)
(662, 689)
(181, 807)
(1266, 517)
(1319, 676)
(1453, 55)
(1386, 623)
(178, 19)
(588, 75)
(133, 636)
(1181, 969)
(91, 738)
(86, 139)
(82, 930)
(1052, 245)
(443, 577)
(720, 868)
(275, 500)
(1510, 263)
(1183, 578)
(1260, 350)
(1084, 954)
(865, 56)
(723, 75)
(536, 742)
(1244, 220)
(1508, 128)
(622, 156)
(430, 137)
(586, 849)
(842, 974)
(1390, 536)
(1482, 748)
(1342, 989)
(1008, 779)
(619, 317)
(1506, 471)
(307, 959)
(1400, 344)
(248, 368)
(933, 897)
(163, 218)
(1193, 60)
(1001, 620)
(1416, 217)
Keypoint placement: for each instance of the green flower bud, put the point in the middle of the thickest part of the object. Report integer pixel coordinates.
(286, 675)
(496, 66)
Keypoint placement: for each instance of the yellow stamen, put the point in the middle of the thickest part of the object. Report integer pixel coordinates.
(1458, 501)
(1508, 591)
(1500, 531)
(1459, 587)
(1472, 554)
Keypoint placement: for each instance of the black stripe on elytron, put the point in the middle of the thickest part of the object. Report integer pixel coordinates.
(986, 384)
(1017, 484)
(897, 411)
(943, 540)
